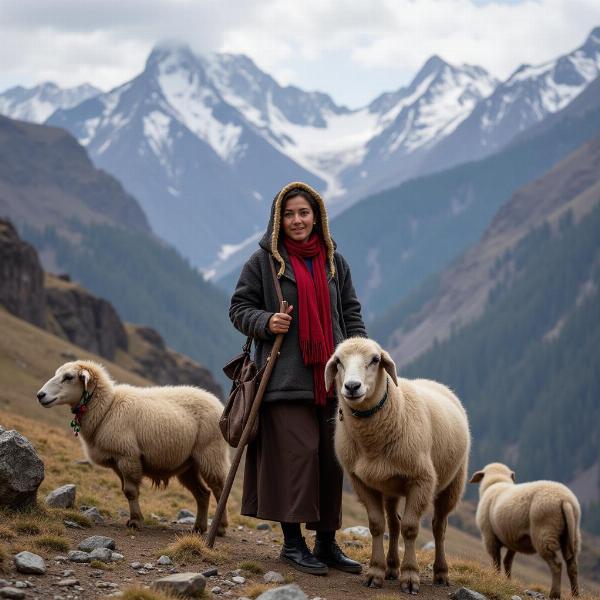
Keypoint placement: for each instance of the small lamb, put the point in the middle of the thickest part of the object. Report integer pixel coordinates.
(157, 432)
(539, 516)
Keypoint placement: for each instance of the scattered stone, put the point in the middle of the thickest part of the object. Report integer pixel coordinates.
(62, 497)
(3, 582)
(216, 590)
(259, 542)
(96, 541)
(20, 584)
(430, 545)
(515, 598)
(464, 593)
(93, 514)
(228, 583)
(273, 577)
(78, 556)
(72, 524)
(360, 530)
(211, 572)
(21, 471)
(164, 560)
(184, 512)
(103, 554)
(27, 562)
(186, 521)
(122, 513)
(534, 594)
(136, 565)
(68, 582)
(116, 557)
(68, 573)
(240, 528)
(149, 566)
(284, 592)
(143, 571)
(264, 527)
(238, 579)
(60, 558)
(12, 592)
(354, 544)
(183, 584)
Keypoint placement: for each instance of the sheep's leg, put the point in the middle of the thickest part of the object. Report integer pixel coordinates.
(191, 480)
(508, 561)
(393, 560)
(493, 547)
(556, 569)
(373, 501)
(131, 473)
(443, 505)
(571, 561)
(214, 469)
(417, 501)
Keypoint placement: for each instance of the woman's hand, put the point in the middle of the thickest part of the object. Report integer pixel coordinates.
(280, 322)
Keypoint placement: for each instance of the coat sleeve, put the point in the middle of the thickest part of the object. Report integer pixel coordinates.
(246, 309)
(351, 309)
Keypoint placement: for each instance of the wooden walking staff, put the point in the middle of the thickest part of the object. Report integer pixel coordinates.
(212, 532)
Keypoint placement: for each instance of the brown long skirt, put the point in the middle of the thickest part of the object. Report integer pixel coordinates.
(291, 473)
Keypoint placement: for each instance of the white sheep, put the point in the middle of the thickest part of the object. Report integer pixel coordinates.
(539, 516)
(158, 432)
(398, 438)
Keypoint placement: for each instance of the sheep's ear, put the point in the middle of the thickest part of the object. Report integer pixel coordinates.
(330, 372)
(85, 377)
(513, 476)
(477, 477)
(388, 364)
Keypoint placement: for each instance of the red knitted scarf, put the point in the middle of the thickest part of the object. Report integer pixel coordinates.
(313, 310)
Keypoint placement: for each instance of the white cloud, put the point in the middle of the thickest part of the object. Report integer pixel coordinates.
(106, 42)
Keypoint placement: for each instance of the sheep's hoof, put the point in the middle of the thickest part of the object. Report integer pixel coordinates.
(199, 529)
(441, 578)
(409, 581)
(135, 523)
(373, 580)
(222, 530)
(392, 573)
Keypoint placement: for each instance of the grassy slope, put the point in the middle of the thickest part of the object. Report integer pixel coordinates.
(28, 356)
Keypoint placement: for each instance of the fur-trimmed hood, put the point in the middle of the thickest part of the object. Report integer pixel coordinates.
(270, 240)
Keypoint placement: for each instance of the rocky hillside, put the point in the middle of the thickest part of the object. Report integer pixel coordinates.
(72, 313)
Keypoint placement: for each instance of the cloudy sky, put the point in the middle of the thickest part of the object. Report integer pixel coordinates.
(352, 49)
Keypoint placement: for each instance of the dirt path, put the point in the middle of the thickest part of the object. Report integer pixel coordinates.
(241, 544)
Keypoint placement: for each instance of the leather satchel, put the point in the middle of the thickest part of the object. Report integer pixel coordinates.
(246, 377)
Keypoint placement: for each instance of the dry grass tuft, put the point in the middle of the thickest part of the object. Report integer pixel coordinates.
(255, 590)
(189, 546)
(71, 514)
(98, 564)
(36, 523)
(51, 542)
(289, 578)
(4, 559)
(251, 566)
(6, 533)
(140, 593)
(483, 580)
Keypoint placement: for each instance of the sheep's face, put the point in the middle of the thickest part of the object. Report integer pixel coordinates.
(493, 473)
(357, 366)
(66, 387)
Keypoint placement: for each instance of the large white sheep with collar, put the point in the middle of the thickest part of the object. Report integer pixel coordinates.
(539, 516)
(398, 438)
(158, 432)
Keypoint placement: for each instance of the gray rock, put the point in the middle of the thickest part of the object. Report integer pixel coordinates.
(68, 573)
(21, 471)
(103, 554)
(27, 562)
(183, 584)
(185, 513)
(186, 521)
(149, 566)
(4, 583)
(62, 497)
(2, 430)
(534, 594)
(264, 527)
(464, 593)
(228, 583)
(238, 579)
(273, 577)
(284, 592)
(122, 512)
(136, 565)
(60, 558)
(515, 598)
(12, 592)
(93, 514)
(211, 572)
(360, 530)
(72, 524)
(428, 546)
(164, 560)
(78, 556)
(216, 590)
(67, 582)
(96, 541)
(116, 557)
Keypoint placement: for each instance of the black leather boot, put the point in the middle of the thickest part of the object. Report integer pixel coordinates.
(332, 555)
(296, 553)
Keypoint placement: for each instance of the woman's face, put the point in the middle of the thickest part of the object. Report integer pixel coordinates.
(298, 219)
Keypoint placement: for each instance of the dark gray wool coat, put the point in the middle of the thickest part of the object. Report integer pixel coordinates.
(255, 300)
